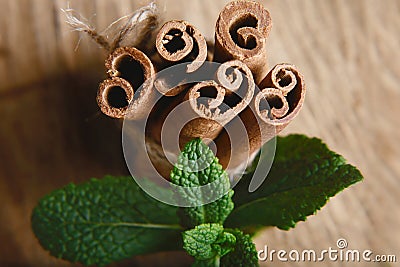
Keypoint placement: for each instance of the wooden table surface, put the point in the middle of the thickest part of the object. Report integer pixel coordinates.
(50, 124)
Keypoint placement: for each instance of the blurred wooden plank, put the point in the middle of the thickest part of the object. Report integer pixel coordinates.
(347, 51)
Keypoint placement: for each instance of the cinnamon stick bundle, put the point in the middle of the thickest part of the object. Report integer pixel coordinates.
(217, 103)
(272, 109)
(241, 33)
(129, 70)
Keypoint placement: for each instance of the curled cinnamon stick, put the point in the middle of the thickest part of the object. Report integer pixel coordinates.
(290, 85)
(130, 70)
(179, 42)
(272, 109)
(114, 96)
(241, 32)
(213, 104)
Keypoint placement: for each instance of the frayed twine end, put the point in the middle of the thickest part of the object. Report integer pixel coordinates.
(133, 32)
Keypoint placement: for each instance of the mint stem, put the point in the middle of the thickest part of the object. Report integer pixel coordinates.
(217, 261)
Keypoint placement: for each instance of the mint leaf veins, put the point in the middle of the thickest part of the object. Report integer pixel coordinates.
(304, 175)
(102, 221)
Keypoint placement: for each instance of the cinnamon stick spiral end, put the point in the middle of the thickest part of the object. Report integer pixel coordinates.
(130, 85)
(216, 102)
(114, 96)
(284, 91)
(178, 41)
(241, 32)
(225, 98)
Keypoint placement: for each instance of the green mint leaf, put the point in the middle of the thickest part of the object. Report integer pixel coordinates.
(208, 242)
(197, 166)
(304, 175)
(244, 253)
(105, 220)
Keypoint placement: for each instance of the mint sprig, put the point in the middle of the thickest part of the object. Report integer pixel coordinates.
(208, 241)
(212, 245)
(107, 220)
(197, 166)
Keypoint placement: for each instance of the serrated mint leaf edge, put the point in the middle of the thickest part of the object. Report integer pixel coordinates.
(356, 177)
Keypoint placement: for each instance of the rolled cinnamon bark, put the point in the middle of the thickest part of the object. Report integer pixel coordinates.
(284, 92)
(272, 109)
(212, 105)
(240, 33)
(114, 96)
(179, 42)
(130, 70)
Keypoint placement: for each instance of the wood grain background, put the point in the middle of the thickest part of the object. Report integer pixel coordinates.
(50, 125)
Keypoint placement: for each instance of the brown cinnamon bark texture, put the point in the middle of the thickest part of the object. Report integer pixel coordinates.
(114, 96)
(241, 33)
(130, 70)
(179, 42)
(212, 105)
(272, 109)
